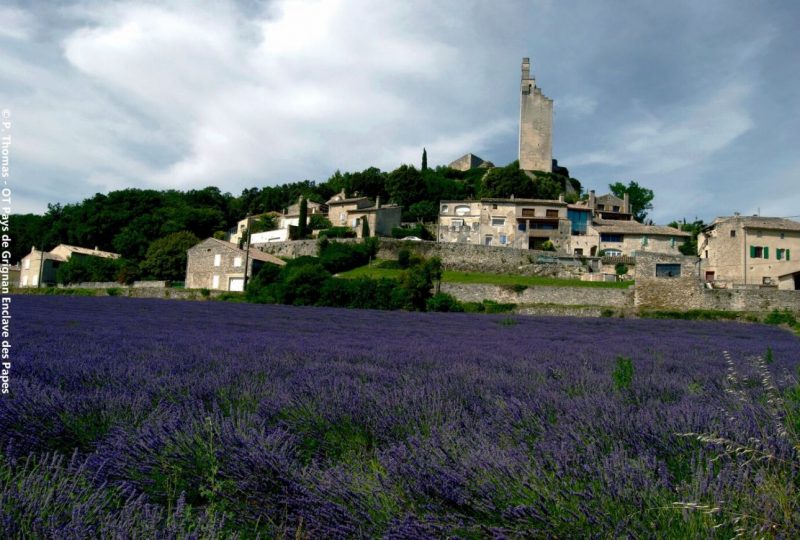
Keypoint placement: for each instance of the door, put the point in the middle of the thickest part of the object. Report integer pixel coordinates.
(236, 284)
(709, 276)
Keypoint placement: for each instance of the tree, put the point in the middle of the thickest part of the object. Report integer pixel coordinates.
(317, 222)
(302, 221)
(502, 182)
(364, 228)
(640, 198)
(83, 268)
(424, 160)
(166, 257)
(405, 185)
(689, 247)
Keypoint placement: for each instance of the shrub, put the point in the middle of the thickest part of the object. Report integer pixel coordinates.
(337, 232)
(547, 245)
(418, 230)
(339, 257)
(777, 316)
(403, 257)
(114, 291)
(623, 373)
(621, 269)
(205, 293)
(443, 302)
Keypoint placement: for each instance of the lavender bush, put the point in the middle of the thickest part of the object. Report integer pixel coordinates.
(135, 418)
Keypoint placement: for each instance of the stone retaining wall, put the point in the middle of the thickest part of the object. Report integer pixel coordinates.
(461, 257)
(564, 296)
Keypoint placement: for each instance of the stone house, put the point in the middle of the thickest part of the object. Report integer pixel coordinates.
(620, 238)
(750, 251)
(40, 267)
(236, 234)
(350, 212)
(292, 215)
(517, 223)
(573, 229)
(222, 266)
(607, 206)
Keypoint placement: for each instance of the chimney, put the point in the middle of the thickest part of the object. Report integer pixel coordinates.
(512, 196)
(561, 197)
(626, 204)
(592, 200)
(96, 248)
(378, 201)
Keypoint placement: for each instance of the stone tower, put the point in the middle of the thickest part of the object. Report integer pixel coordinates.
(535, 124)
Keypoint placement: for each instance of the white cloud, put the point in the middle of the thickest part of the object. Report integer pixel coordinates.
(680, 136)
(16, 23)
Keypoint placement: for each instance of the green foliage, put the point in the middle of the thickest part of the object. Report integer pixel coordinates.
(166, 257)
(364, 228)
(694, 315)
(302, 221)
(689, 247)
(403, 257)
(405, 184)
(641, 198)
(547, 245)
(502, 182)
(424, 160)
(777, 316)
(84, 268)
(621, 269)
(418, 230)
(267, 222)
(623, 373)
(337, 232)
(443, 302)
(113, 291)
(317, 222)
(418, 281)
(340, 256)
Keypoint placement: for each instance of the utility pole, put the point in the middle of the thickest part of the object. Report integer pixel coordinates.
(246, 257)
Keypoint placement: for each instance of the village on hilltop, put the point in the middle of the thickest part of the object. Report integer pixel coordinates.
(600, 231)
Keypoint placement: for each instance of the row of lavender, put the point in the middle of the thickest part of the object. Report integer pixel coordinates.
(145, 417)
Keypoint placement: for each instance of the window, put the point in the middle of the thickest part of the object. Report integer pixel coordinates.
(498, 222)
(783, 235)
(552, 213)
(27, 264)
(444, 209)
(579, 251)
(706, 254)
(600, 207)
(502, 239)
(217, 259)
(668, 270)
(215, 282)
(342, 217)
(457, 223)
(733, 233)
(766, 280)
(528, 212)
(608, 237)
(644, 240)
(521, 226)
(612, 253)
(237, 262)
(487, 241)
(24, 281)
(759, 252)
(579, 221)
(34, 280)
(494, 207)
(461, 210)
(615, 208)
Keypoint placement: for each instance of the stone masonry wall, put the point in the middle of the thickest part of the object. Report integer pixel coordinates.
(461, 257)
(568, 296)
(687, 291)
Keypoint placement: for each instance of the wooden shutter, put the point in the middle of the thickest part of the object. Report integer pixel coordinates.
(766, 252)
(752, 252)
(787, 255)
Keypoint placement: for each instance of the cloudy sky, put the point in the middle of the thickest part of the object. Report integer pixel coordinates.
(698, 100)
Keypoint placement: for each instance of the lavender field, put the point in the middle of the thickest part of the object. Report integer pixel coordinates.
(135, 418)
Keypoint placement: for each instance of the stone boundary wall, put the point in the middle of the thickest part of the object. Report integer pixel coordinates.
(564, 296)
(687, 291)
(461, 257)
(114, 284)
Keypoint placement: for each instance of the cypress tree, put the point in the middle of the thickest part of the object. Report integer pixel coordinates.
(424, 159)
(302, 222)
(364, 227)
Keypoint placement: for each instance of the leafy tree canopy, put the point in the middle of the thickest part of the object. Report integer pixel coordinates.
(166, 257)
(640, 198)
